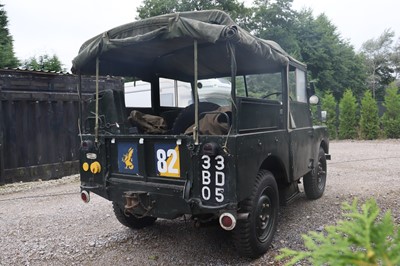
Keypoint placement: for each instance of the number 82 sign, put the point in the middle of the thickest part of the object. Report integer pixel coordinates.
(167, 160)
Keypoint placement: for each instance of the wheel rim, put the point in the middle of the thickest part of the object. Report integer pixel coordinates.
(321, 174)
(264, 218)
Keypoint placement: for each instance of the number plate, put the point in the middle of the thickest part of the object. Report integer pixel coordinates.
(213, 186)
(128, 158)
(167, 160)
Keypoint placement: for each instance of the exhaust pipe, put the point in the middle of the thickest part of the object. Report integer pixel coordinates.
(85, 196)
(227, 221)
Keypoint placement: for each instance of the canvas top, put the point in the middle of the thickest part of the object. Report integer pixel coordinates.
(163, 46)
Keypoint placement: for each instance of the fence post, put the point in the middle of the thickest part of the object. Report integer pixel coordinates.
(2, 178)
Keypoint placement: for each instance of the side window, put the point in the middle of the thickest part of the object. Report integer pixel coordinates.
(137, 94)
(297, 85)
(175, 93)
(266, 86)
(216, 90)
(255, 114)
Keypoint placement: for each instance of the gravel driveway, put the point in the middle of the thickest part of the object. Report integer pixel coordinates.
(46, 223)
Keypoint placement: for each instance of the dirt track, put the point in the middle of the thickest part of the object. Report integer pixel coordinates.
(46, 222)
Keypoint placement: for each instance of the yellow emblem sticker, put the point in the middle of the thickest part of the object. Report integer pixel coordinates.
(127, 158)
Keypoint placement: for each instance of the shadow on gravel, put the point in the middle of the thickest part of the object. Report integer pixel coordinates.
(172, 242)
(179, 242)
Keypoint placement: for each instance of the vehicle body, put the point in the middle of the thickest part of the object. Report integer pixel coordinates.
(236, 163)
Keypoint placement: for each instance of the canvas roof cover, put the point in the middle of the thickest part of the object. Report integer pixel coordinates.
(163, 46)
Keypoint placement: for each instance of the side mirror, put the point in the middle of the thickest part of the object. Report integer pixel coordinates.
(311, 89)
(314, 100)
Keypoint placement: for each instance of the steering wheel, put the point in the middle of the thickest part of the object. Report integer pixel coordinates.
(270, 94)
(275, 93)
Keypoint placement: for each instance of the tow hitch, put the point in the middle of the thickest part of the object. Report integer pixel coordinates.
(138, 201)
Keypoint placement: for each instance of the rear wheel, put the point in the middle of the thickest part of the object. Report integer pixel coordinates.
(130, 220)
(315, 180)
(253, 236)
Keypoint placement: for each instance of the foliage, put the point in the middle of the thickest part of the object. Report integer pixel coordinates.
(382, 60)
(235, 8)
(331, 61)
(329, 105)
(7, 56)
(347, 116)
(369, 120)
(275, 20)
(44, 63)
(391, 117)
(361, 238)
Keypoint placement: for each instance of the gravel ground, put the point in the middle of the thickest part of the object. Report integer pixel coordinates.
(45, 223)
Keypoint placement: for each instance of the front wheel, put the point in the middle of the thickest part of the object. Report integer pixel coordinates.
(315, 180)
(253, 236)
(130, 220)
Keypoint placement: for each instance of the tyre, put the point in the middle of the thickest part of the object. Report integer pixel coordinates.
(253, 236)
(315, 181)
(130, 220)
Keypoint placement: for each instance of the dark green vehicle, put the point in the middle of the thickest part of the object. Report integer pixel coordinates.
(235, 159)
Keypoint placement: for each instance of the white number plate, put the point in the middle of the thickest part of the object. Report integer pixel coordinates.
(213, 178)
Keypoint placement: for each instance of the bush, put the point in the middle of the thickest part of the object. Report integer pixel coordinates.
(347, 116)
(329, 105)
(391, 117)
(369, 121)
(361, 238)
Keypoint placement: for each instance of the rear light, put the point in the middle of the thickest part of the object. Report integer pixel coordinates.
(95, 167)
(86, 145)
(210, 148)
(227, 221)
(85, 167)
(85, 196)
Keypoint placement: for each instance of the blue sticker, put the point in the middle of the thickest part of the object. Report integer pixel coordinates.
(128, 158)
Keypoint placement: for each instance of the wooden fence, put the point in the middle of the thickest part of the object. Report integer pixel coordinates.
(39, 123)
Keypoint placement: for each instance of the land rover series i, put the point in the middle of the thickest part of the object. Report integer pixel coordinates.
(234, 158)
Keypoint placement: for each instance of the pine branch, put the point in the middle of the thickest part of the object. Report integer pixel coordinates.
(361, 238)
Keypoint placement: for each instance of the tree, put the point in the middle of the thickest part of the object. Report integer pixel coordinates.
(235, 8)
(391, 117)
(347, 116)
(151, 8)
(396, 58)
(369, 121)
(44, 62)
(329, 105)
(331, 61)
(381, 60)
(275, 20)
(7, 56)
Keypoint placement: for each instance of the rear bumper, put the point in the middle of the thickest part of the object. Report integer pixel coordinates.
(167, 201)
